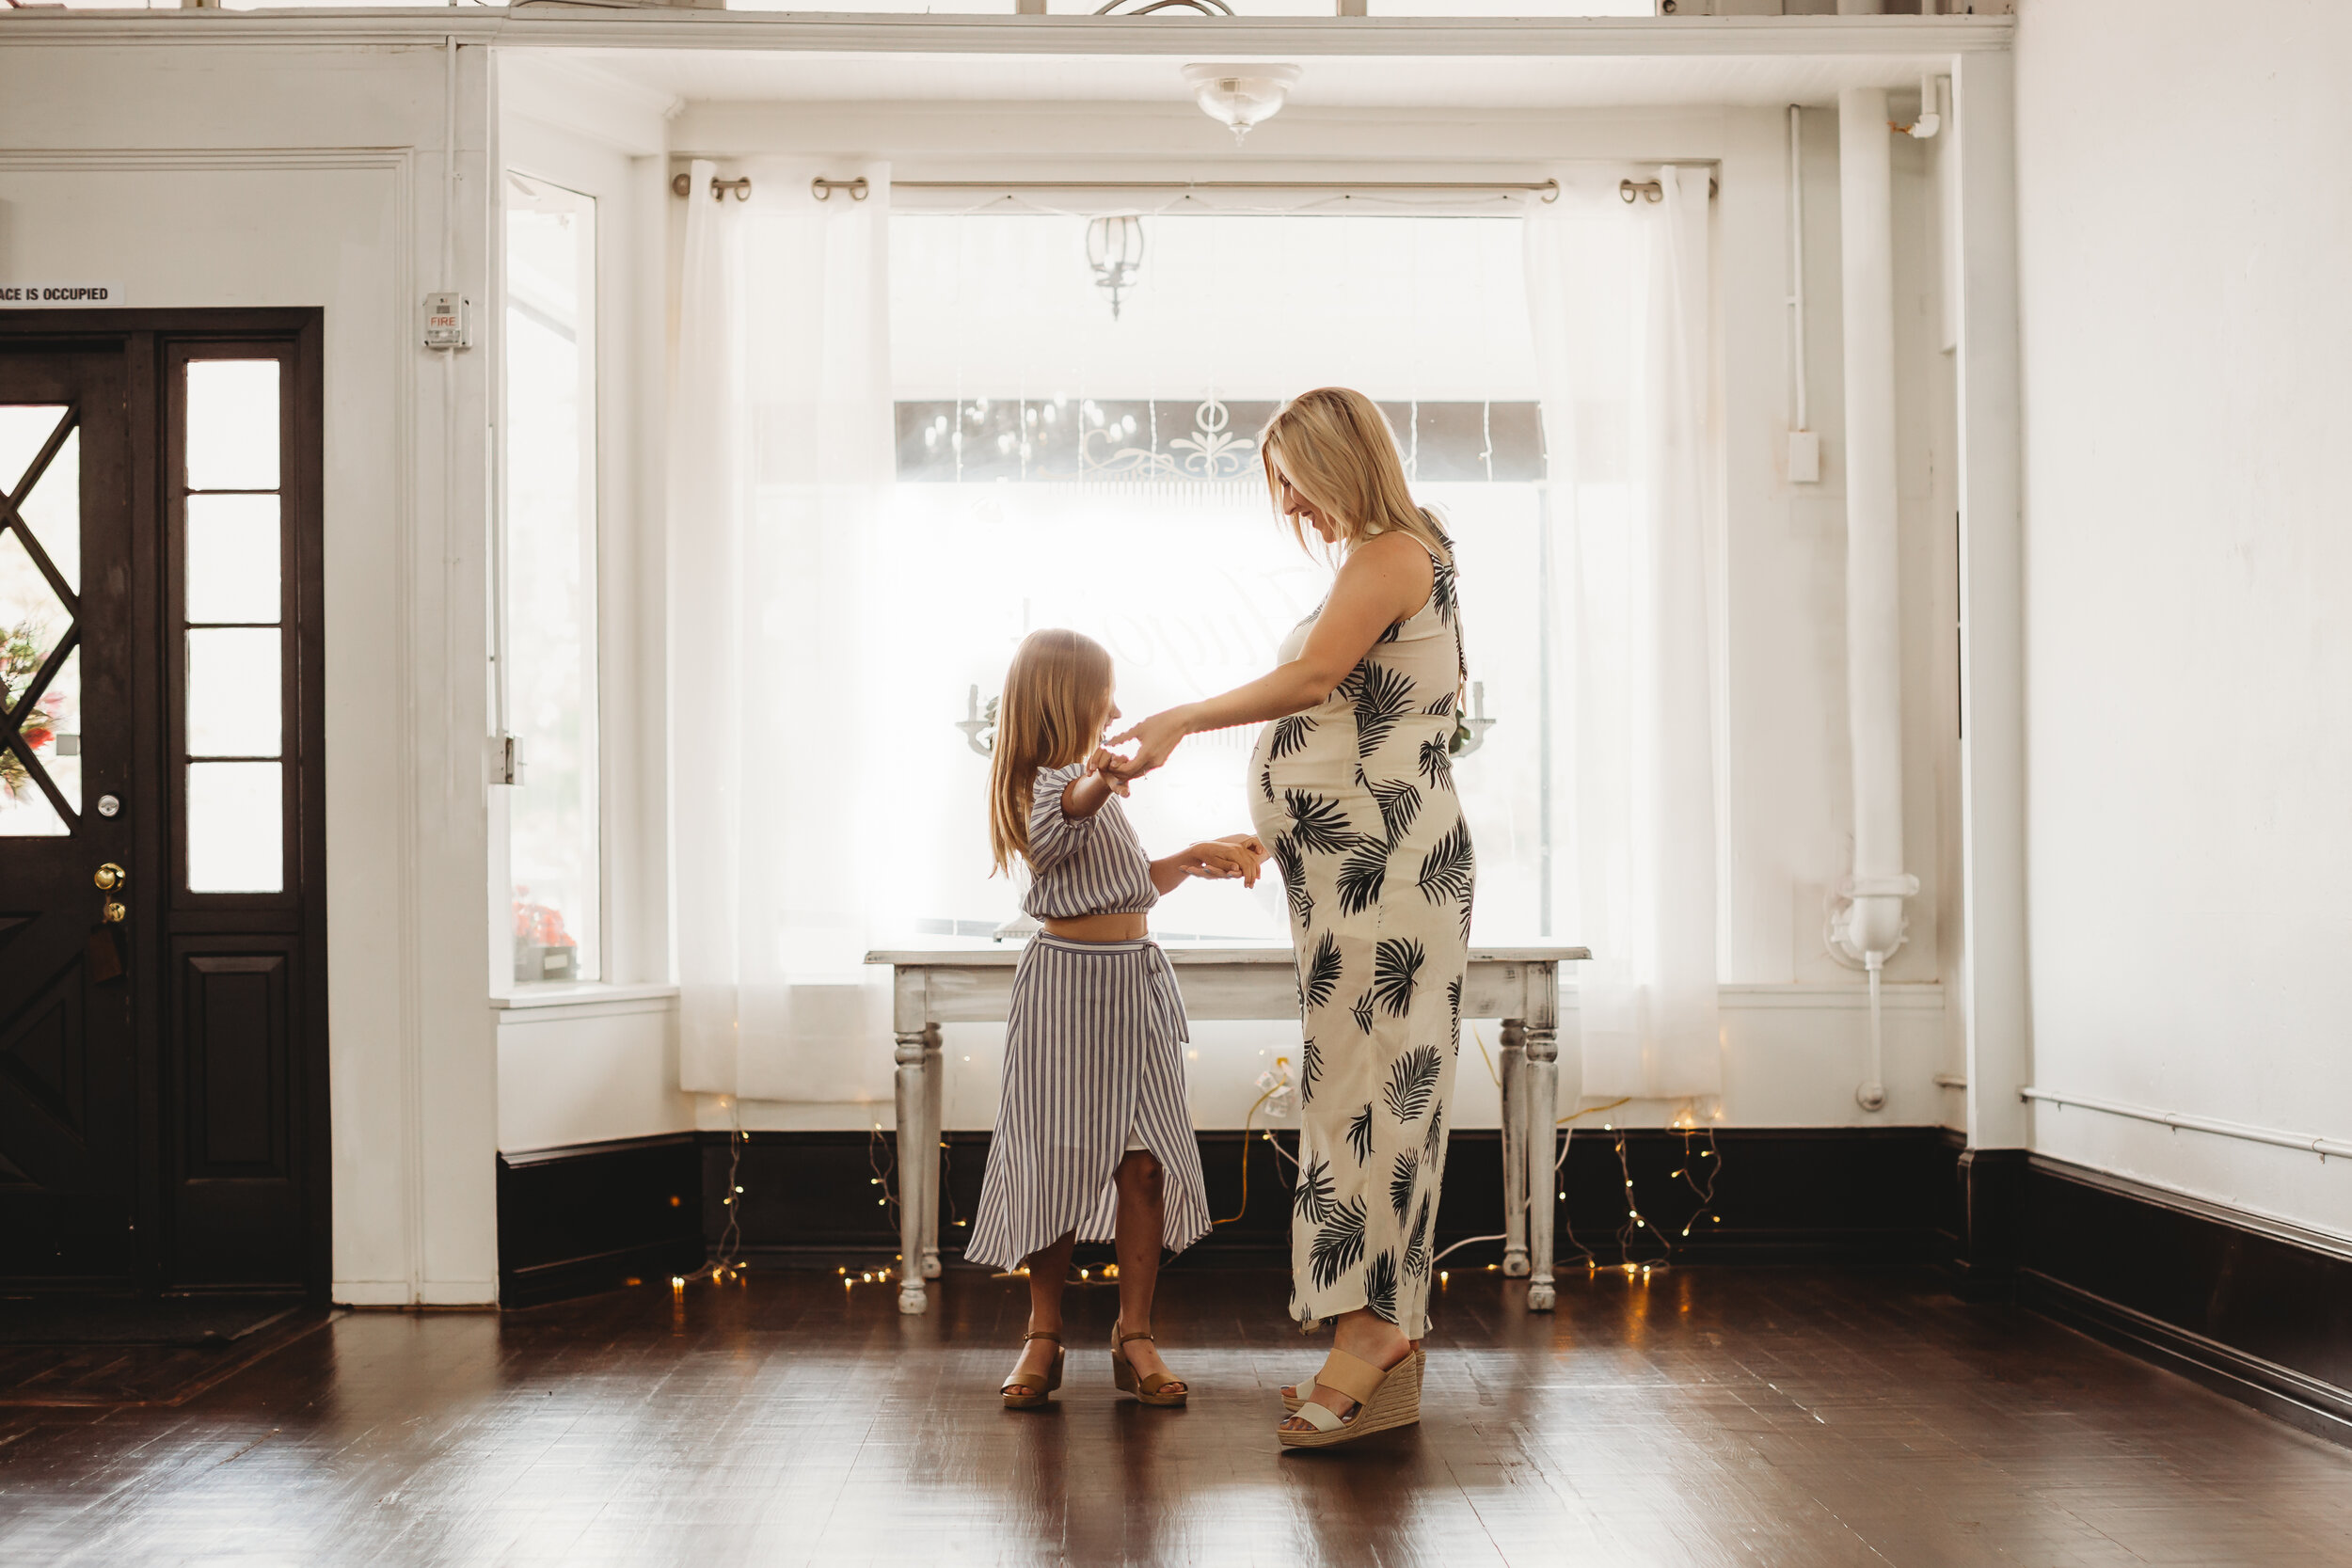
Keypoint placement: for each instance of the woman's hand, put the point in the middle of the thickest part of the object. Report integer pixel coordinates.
(1156, 739)
(1217, 861)
(1214, 861)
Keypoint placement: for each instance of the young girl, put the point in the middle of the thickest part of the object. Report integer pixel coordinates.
(1093, 1138)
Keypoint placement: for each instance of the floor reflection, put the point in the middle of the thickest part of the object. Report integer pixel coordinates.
(1694, 1415)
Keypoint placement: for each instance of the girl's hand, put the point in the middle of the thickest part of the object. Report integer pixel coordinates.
(1156, 739)
(1107, 762)
(1251, 845)
(1219, 861)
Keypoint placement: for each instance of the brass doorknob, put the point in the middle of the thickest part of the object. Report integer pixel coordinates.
(110, 876)
(115, 913)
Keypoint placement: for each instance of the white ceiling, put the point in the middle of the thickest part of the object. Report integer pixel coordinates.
(1554, 82)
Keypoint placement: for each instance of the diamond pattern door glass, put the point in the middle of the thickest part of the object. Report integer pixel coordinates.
(40, 555)
(233, 639)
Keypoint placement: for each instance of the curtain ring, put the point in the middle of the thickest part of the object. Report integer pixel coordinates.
(822, 188)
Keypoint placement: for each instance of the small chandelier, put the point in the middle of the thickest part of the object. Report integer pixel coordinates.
(1240, 96)
(1115, 251)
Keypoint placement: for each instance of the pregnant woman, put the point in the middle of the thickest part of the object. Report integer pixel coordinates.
(1352, 786)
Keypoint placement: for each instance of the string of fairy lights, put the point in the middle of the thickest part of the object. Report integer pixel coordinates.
(1699, 1171)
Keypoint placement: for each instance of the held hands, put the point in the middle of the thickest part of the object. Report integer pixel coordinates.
(1108, 764)
(1224, 859)
(1155, 738)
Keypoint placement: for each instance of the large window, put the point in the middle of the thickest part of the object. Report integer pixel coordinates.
(549, 658)
(1059, 465)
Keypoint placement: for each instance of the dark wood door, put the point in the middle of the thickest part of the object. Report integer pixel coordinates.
(164, 1128)
(70, 636)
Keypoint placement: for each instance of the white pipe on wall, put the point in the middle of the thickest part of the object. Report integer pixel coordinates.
(1871, 926)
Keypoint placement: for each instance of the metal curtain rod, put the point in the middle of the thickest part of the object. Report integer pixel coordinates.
(822, 188)
(1550, 189)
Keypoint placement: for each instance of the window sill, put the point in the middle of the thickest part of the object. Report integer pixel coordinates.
(586, 993)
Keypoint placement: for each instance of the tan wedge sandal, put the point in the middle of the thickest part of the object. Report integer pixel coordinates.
(1295, 1395)
(1147, 1387)
(1031, 1400)
(1384, 1399)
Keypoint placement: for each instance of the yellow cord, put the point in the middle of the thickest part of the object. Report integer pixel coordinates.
(1244, 1159)
(1590, 1109)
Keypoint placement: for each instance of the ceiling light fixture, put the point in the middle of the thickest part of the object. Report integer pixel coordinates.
(1241, 96)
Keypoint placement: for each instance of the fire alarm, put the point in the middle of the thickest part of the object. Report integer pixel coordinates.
(446, 326)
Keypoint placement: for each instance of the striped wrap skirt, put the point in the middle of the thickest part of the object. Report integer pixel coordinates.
(1093, 1066)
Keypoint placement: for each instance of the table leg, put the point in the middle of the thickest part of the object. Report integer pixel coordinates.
(934, 1077)
(1542, 1095)
(912, 1147)
(1513, 1147)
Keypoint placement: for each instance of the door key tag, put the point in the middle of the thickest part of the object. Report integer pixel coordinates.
(104, 953)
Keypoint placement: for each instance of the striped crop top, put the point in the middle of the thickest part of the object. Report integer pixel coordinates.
(1090, 865)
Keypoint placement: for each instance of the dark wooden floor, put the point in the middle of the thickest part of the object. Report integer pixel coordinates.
(1707, 1416)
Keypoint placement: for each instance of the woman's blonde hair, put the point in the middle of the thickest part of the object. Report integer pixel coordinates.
(1339, 453)
(1058, 696)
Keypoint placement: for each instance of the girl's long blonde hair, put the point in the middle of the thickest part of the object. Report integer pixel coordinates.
(1058, 697)
(1336, 447)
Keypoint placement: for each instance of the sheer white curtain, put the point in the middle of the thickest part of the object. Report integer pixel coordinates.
(1619, 299)
(781, 458)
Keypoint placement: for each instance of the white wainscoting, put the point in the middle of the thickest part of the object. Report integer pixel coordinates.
(1792, 1056)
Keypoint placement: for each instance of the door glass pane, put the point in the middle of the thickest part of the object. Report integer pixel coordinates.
(24, 428)
(53, 731)
(233, 693)
(24, 811)
(32, 618)
(232, 557)
(232, 424)
(551, 633)
(54, 511)
(236, 815)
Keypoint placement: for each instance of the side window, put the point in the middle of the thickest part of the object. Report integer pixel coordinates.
(548, 660)
(229, 603)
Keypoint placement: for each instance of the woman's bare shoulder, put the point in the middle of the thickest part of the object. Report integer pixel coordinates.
(1393, 565)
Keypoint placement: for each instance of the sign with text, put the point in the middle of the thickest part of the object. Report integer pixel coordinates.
(57, 296)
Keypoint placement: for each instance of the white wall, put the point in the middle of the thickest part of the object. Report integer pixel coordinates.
(1795, 1043)
(218, 175)
(2182, 170)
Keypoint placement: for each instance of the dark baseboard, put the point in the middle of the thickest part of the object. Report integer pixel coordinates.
(2256, 1309)
(1796, 1194)
(587, 1218)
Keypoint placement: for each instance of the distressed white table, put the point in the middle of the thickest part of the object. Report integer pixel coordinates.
(972, 983)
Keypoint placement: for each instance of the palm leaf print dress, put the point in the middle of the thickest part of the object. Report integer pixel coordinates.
(1356, 799)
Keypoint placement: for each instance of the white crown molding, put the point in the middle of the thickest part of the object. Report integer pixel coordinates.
(1242, 38)
(567, 92)
(175, 160)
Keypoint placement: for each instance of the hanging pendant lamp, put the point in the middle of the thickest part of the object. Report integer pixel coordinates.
(1115, 251)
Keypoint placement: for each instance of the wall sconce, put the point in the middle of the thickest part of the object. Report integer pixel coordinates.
(1470, 730)
(978, 723)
